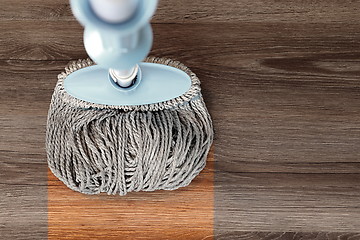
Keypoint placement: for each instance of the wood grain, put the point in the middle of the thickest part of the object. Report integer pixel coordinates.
(280, 79)
(186, 213)
(23, 198)
(288, 236)
(189, 11)
(290, 202)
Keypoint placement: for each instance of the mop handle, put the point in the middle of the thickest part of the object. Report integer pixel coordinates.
(117, 34)
(114, 11)
(118, 11)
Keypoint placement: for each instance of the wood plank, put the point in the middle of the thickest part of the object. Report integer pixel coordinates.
(23, 198)
(186, 213)
(257, 49)
(172, 11)
(38, 40)
(287, 236)
(23, 213)
(286, 202)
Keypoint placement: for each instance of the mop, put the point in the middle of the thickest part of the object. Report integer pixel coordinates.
(121, 121)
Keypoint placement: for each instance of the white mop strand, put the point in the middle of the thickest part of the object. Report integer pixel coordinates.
(96, 148)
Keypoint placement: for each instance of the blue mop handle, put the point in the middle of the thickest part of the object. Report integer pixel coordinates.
(114, 11)
(117, 33)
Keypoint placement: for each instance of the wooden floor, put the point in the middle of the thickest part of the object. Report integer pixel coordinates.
(281, 80)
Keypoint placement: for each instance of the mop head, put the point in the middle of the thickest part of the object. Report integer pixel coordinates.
(96, 148)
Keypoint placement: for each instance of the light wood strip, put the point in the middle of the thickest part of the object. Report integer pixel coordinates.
(185, 213)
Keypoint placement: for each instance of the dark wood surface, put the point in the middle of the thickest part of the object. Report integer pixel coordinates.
(281, 80)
